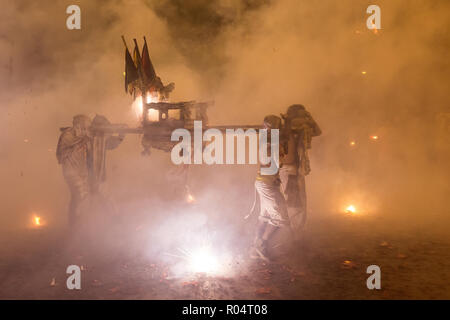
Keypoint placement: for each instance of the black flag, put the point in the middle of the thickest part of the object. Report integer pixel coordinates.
(131, 73)
(137, 60)
(147, 65)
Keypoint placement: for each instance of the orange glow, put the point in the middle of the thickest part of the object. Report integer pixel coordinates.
(153, 115)
(138, 106)
(364, 72)
(152, 97)
(190, 198)
(375, 30)
(348, 264)
(374, 137)
(37, 221)
(352, 143)
(350, 209)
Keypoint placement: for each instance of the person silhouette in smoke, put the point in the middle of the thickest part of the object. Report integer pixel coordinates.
(82, 155)
(73, 151)
(298, 130)
(273, 210)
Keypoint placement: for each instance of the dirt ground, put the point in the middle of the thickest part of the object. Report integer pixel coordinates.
(330, 263)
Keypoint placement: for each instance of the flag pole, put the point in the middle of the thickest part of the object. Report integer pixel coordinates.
(124, 42)
(135, 42)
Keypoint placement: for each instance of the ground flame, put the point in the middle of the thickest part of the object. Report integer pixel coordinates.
(203, 260)
(37, 221)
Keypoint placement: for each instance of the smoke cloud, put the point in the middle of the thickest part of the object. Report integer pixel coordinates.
(252, 58)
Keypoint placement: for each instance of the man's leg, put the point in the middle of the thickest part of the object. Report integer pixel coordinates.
(260, 229)
(264, 234)
(258, 249)
(258, 241)
(290, 187)
(302, 199)
(78, 186)
(273, 215)
(295, 195)
(269, 232)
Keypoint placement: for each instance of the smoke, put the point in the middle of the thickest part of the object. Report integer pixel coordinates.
(252, 58)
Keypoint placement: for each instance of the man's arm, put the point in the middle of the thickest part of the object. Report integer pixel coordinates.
(314, 126)
(68, 143)
(316, 129)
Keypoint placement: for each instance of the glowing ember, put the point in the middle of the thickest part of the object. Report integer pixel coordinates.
(348, 264)
(364, 72)
(374, 137)
(37, 221)
(352, 143)
(350, 209)
(374, 28)
(190, 198)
